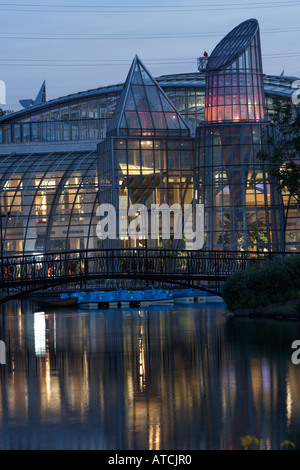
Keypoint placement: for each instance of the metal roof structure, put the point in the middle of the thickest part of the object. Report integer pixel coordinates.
(274, 85)
(143, 107)
(232, 45)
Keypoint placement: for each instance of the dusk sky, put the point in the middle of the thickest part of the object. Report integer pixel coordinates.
(76, 46)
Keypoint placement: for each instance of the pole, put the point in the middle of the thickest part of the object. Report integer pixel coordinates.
(1, 241)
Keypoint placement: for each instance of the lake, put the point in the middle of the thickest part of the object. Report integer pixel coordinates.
(180, 378)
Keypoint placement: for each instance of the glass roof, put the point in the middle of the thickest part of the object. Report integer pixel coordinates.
(234, 43)
(143, 107)
(188, 80)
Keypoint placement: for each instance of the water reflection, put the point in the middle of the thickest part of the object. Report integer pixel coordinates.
(184, 378)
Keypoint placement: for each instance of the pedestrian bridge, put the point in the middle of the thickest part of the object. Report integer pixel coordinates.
(202, 269)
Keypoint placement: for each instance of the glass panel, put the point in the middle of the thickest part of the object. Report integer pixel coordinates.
(7, 133)
(181, 99)
(132, 120)
(83, 129)
(159, 120)
(153, 98)
(36, 130)
(111, 104)
(172, 120)
(103, 106)
(136, 76)
(146, 121)
(26, 132)
(74, 115)
(140, 98)
(74, 112)
(93, 108)
(130, 103)
(46, 131)
(83, 109)
(166, 105)
(65, 114)
(65, 130)
(145, 77)
(17, 133)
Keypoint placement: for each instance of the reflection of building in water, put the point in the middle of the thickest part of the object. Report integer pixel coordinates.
(139, 380)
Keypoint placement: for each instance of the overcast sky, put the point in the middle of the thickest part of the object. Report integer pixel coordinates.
(76, 45)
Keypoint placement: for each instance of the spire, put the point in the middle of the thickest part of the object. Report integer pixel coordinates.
(40, 98)
(143, 107)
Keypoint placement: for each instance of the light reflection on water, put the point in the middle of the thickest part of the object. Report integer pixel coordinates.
(183, 378)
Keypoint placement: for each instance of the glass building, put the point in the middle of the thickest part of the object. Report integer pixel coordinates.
(175, 138)
(145, 162)
(242, 205)
(51, 199)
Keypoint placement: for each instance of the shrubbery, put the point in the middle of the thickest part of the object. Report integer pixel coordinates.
(275, 281)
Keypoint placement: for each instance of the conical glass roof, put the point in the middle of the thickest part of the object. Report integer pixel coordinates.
(144, 109)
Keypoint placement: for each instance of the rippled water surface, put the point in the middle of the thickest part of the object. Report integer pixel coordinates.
(184, 378)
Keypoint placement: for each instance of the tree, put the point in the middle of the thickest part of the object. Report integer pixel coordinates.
(4, 112)
(283, 157)
(256, 232)
(284, 144)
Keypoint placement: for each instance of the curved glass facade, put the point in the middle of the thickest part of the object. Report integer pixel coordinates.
(85, 119)
(51, 199)
(88, 118)
(234, 82)
(243, 208)
(147, 157)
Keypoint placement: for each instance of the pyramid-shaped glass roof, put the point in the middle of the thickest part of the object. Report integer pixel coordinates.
(144, 109)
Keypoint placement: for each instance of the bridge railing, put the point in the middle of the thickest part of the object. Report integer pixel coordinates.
(86, 264)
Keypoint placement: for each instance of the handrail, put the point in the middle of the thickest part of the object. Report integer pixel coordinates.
(30, 272)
